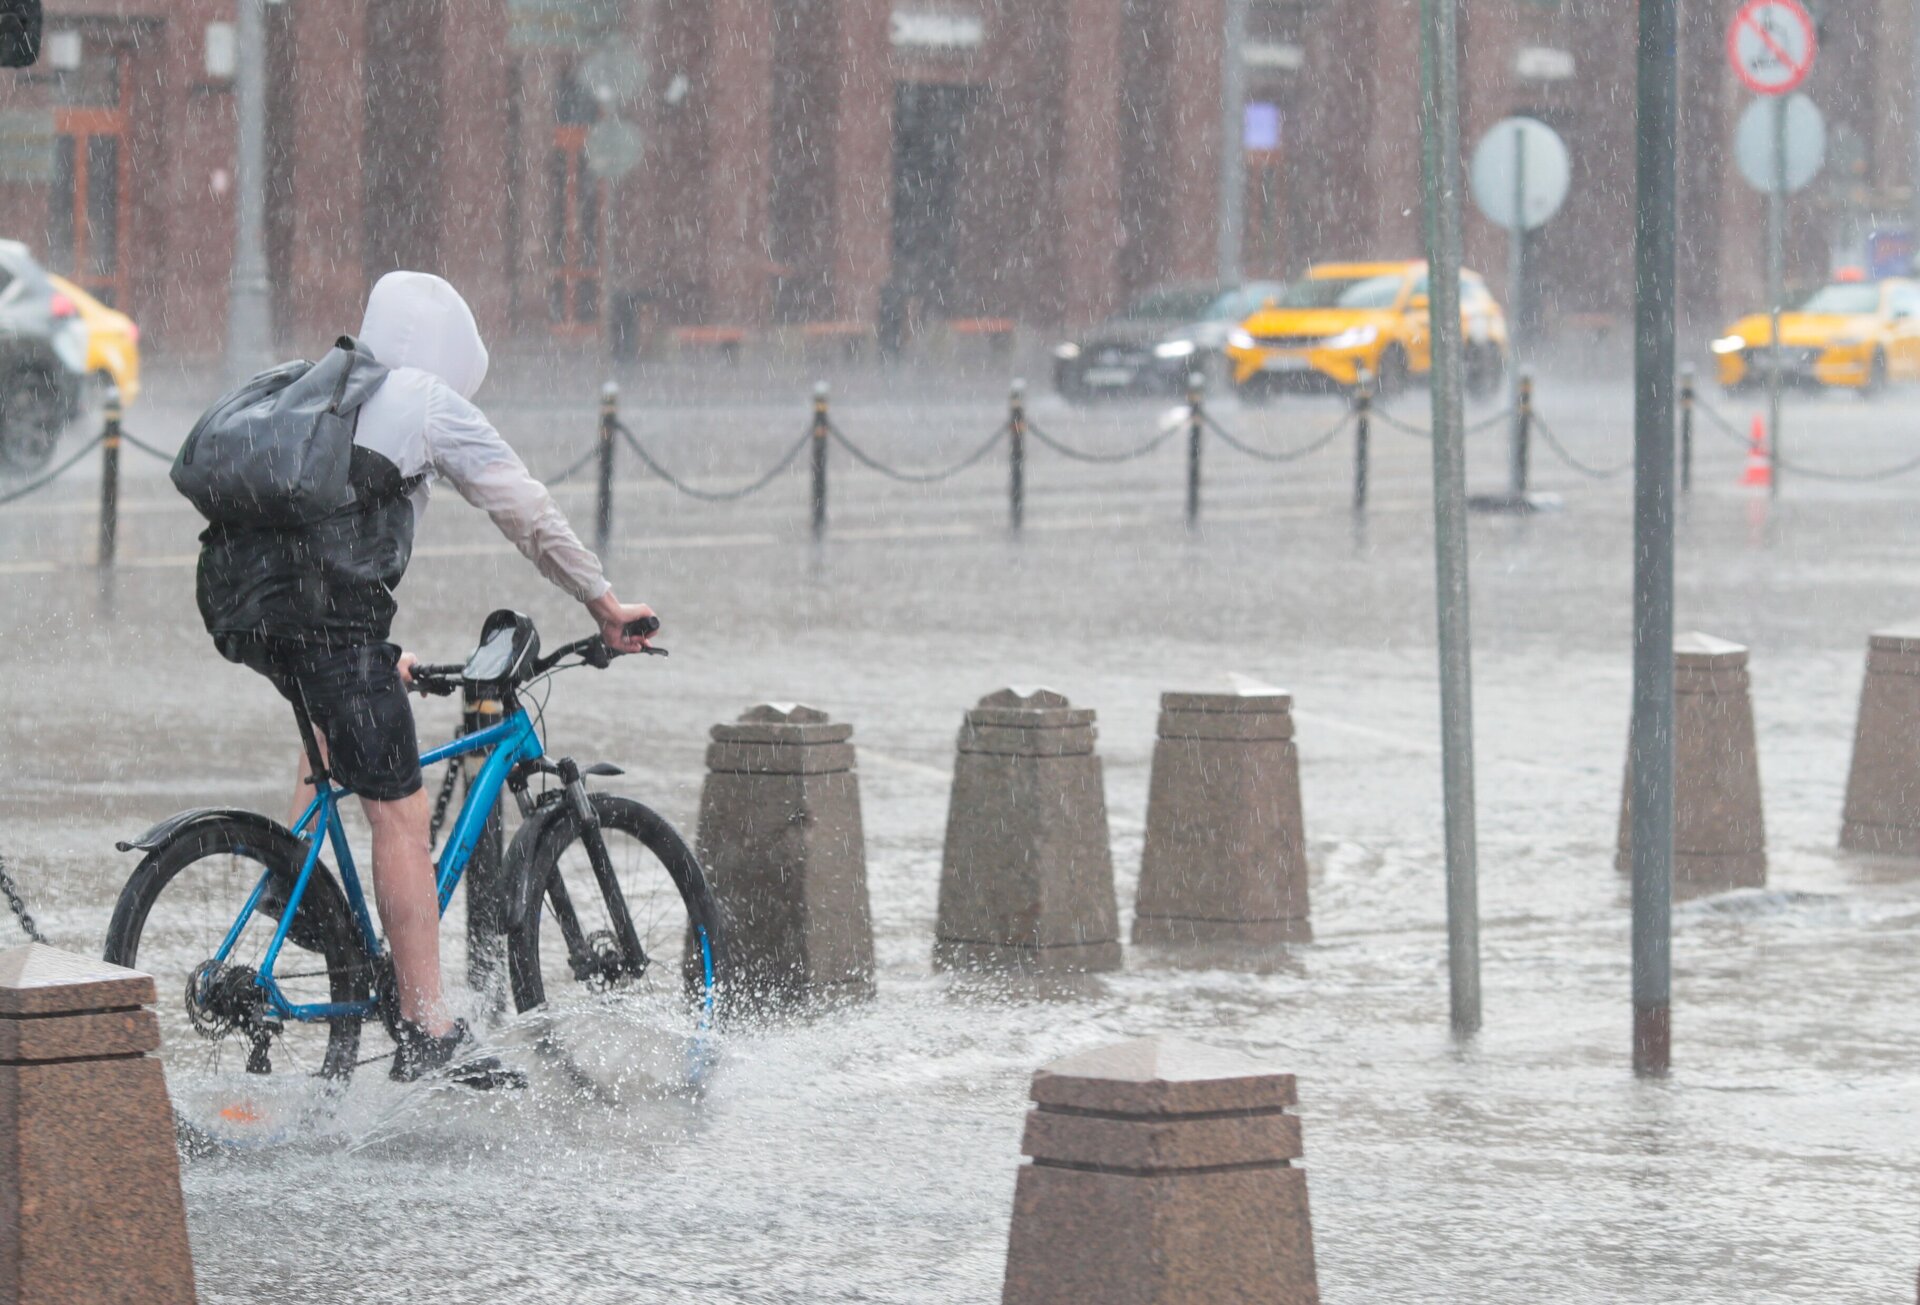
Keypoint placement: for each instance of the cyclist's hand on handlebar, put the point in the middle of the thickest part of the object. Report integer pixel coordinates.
(407, 661)
(616, 618)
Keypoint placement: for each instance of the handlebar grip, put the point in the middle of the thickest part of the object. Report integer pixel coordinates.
(641, 628)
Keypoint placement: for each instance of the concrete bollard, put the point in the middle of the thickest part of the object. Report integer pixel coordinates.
(1719, 831)
(782, 843)
(1162, 1175)
(1027, 879)
(90, 1204)
(1882, 813)
(1225, 858)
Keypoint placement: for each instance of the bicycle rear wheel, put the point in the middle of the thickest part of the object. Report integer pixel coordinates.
(612, 1022)
(234, 1071)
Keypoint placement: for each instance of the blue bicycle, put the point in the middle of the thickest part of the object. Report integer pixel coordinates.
(268, 963)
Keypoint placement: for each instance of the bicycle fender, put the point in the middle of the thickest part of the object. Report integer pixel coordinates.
(519, 888)
(184, 820)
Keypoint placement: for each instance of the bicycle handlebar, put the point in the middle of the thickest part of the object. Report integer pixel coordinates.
(443, 679)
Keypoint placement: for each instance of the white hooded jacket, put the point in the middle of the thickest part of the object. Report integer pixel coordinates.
(421, 420)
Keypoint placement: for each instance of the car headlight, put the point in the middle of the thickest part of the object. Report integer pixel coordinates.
(1174, 349)
(1066, 352)
(1728, 344)
(1352, 338)
(1240, 338)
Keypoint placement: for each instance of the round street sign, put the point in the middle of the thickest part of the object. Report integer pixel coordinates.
(614, 148)
(1523, 162)
(1771, 45)
(1753, 147)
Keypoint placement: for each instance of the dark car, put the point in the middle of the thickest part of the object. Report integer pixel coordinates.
(43, 356)
(1152, 346)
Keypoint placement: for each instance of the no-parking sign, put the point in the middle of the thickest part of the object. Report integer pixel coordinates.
(1771, 45)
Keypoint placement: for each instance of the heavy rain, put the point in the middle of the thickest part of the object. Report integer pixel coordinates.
(1116, 583)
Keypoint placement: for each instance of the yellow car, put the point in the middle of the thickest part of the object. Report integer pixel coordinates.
(1343, 317)
(113, 341)
(1847, 334)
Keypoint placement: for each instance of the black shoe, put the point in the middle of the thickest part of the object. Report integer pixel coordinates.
(421, 1055)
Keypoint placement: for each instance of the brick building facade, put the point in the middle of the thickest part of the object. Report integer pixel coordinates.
(835, 161)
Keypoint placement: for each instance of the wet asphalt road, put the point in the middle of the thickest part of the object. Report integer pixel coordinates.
(870, 1154)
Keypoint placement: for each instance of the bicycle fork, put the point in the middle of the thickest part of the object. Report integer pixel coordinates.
(587, 962)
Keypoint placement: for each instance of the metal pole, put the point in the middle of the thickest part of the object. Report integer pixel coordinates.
(1196, 429)
(1776, 281)
(110, 479)
(1233, 153)
(249, 309)
(603, 506)
(821, 426)
(1440, 169)
(1522, 454)
(1362, 423)
(1686, 429)
(1017, 456)
(1516, 292)
(1650, 744)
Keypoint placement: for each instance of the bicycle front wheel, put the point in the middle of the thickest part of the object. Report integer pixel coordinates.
(617, 1005)
(234, 1069)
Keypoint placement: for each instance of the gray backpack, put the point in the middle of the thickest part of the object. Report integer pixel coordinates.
(275, 452)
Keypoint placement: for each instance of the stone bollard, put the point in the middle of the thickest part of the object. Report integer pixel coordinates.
(1719, 832)
(1225, 858)
(1027, 879)
(1161, 1175)
(1883, 787)
(90, 1204)
(781, 840)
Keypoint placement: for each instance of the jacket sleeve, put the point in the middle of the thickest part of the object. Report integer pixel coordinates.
(465, 449)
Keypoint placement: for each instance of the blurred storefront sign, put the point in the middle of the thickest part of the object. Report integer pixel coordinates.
(1279, 56)
(26, 146)
(1543, 64)
(563, 24)
(937, 31)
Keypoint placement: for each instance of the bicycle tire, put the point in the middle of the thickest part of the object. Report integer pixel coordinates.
(324, 929)
(559, 836)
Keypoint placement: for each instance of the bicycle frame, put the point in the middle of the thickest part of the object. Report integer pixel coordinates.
(513, 740)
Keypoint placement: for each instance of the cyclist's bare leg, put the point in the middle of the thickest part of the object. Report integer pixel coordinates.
(403, 887)
(409, 904)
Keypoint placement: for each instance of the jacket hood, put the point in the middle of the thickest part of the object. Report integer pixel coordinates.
(416, 319)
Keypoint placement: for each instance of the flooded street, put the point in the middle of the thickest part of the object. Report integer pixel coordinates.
(868, 1153)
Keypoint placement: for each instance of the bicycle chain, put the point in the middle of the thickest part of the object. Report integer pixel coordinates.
(18, 905)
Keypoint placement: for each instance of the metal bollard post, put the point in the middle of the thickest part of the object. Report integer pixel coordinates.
(603, 508)
(821, 425)
(1362, 430)
(110, 479)
(486, 922)
(1522, 437)
(1017, 455)
(1686, 430)
(1196, 427)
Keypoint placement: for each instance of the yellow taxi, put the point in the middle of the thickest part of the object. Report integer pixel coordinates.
(1849, 334)
(113, 341)
(1343, 317)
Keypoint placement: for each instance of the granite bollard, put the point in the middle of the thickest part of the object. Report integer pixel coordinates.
(1162, 1174)
(1026, 882)
(783, 847)
(1719, 830)
(1882, 812)
(90, 1204)
(1225, 857)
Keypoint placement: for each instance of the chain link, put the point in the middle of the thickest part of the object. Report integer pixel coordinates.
(1080, 455)
(1311, 447)
(145, 447)
(710, 495)
(55, 474)
(916, 477)
(18, 905)
(1584, 468)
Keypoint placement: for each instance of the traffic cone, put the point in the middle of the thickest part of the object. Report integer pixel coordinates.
(1759, 466)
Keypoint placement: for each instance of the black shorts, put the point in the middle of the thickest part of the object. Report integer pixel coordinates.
(357, 701)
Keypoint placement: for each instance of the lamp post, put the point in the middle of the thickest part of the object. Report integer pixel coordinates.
(249, 311)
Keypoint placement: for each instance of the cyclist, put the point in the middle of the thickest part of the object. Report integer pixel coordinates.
(310, 610)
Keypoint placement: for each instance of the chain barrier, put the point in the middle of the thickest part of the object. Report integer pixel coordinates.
(1080, 455)
(1311, 447)
(1732, 432)
(1487, 422)
(146, 448)
(1584, 468)
(916, 477)
(18, 905)
(591, 454)
(59, 471)
(712, 495)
